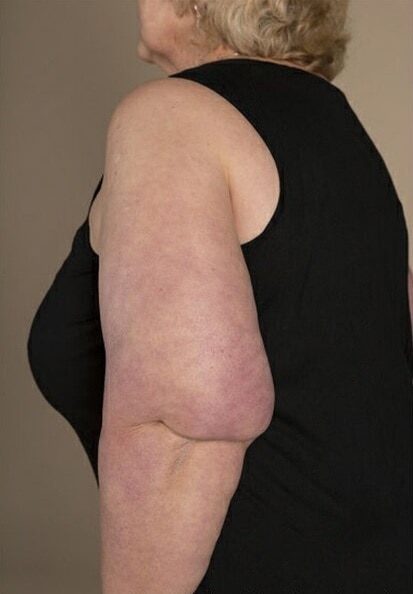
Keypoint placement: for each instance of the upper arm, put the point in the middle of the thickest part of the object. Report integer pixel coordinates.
(178, 315)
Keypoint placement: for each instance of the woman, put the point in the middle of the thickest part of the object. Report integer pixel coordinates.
(256, 345)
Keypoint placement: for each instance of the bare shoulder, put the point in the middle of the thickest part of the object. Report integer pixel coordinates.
(175, 101)
(193, 119)
(196, 118)
(163, 114)
(163, 89)
(178, 106)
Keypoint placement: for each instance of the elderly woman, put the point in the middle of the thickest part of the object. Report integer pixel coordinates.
(230, 335)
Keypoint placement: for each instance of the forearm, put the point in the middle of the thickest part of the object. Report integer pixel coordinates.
(163, 500)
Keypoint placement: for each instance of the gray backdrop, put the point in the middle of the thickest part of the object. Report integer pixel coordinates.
(64, 66)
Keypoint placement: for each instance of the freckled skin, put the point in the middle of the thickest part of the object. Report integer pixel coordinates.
(187, 385)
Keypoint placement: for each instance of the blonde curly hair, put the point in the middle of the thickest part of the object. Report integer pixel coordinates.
(310, 33)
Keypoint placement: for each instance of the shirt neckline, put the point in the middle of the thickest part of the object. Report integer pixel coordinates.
(285, 67)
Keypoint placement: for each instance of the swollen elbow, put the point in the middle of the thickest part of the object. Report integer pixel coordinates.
(234, 413)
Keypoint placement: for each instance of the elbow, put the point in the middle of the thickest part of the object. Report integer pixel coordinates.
(251, 408)
(228, 398)
(240, 407)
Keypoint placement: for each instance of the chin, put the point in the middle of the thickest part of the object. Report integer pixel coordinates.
(143, 53)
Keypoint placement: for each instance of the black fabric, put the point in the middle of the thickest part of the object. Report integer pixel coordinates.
(65, 346)
(324, 504)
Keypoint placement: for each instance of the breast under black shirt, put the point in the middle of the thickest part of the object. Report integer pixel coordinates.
(324, 503)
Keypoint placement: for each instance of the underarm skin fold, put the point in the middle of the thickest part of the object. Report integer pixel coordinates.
(163, 501)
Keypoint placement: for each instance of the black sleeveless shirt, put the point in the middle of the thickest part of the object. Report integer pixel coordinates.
(324, 503)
